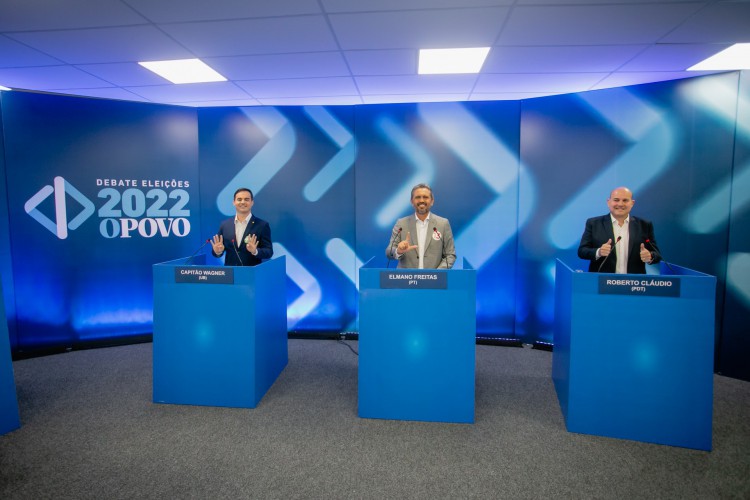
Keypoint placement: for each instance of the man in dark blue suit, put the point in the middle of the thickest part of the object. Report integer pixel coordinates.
(619, 242)
(247, 238)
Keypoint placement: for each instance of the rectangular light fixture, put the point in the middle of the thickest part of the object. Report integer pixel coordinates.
(735, 57)
(184, 71)
(451, 61)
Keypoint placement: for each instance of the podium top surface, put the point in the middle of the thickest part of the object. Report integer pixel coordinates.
(200, 260)
(663, 269)
(461, 265)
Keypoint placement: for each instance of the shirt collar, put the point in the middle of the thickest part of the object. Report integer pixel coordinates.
(249, 218)
(426, 218)
(614, 221)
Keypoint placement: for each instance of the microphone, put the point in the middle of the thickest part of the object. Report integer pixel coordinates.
(189, 259)
(390, 252)
(653, 249)
(234, 245)
(607, 257)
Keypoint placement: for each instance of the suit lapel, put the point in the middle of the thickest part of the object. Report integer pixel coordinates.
(634, 234)
(411, 229)
(413, 237)
(430, 232)
(607, 223)
(248, 230)
(610, 234)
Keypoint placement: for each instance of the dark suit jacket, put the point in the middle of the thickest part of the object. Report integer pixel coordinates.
(242, 257)
(599, 230)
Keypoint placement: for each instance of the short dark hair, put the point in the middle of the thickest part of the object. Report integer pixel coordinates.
(243, 189)
(421, 186)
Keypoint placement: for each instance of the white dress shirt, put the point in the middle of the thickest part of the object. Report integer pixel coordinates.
(623, 246)
(239, 229)
(422, 227)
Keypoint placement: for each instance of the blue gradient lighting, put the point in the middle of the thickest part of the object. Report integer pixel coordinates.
(112, 319)
(47, 306)
(261, 168)
(414, 153)
(645, 358)
(738, 275)
(304, 279)
(205, 334)
(711, 212)
(344, 258)
(654, 138)
(341, 162)
(415, 344)
(718, 96)
(495, 164)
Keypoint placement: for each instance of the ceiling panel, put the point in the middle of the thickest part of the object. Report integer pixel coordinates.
(635, 78)
(48, 77)
(117, 93)
(603, 2)
(569, 58)
(419, 29)
(35, 15)
(406, 98)
(101, 45)
(725, 22)
(553, 84)
(254, 36)
(343, 100)
(123, 74)
(14, 54)
(382, 62)
(300, 87)
(189, 92)
(507, 96)
(357, 51)
(594, 24)
(172, 11)
(671, 57)
(220, 104)
(382, 5)
(416, 84)
(310, 64)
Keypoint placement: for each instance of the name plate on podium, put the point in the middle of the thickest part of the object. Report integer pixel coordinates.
(416, 279)
(202, 274)
(651, 286)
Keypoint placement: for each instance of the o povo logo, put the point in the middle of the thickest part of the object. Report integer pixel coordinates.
(155, 211)
(61, 224)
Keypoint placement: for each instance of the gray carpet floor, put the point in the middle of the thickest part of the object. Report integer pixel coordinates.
(90, 430)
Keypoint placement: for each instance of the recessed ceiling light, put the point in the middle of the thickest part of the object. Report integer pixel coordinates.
(444, 61)
(184, 71)
(735, 57)
(4, 88)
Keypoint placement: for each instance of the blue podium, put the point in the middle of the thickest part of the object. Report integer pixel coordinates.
(9, 420)
(417, 338)
(633, 354)
(220, 336)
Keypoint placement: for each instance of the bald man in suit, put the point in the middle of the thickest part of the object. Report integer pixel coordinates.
(619, 242)
(422, 240)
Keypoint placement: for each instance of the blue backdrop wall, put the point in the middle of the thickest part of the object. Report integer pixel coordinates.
(96, 191)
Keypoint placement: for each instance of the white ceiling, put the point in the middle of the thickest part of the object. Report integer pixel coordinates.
(299, 52)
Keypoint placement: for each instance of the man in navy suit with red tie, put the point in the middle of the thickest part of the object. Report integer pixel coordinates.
(619, 242)
(245, 238)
